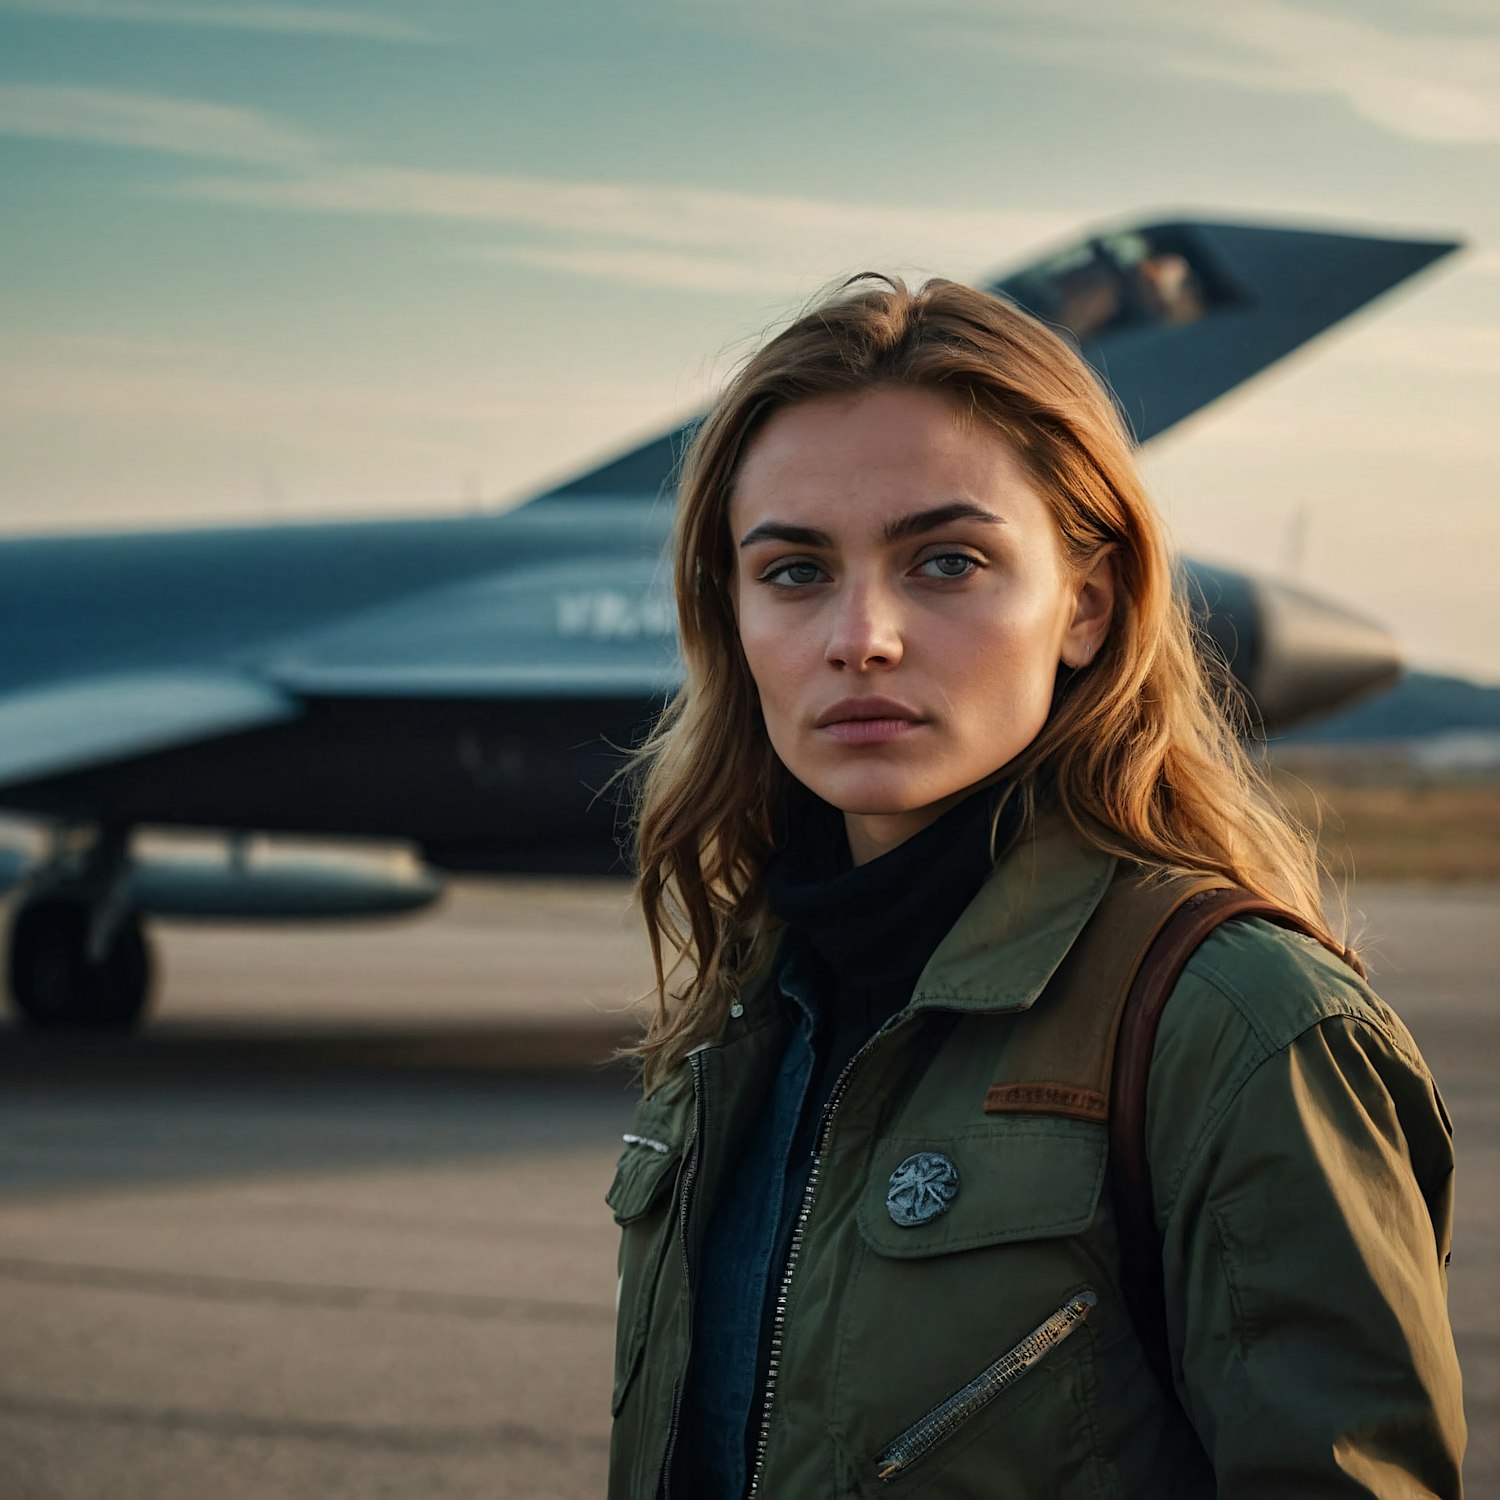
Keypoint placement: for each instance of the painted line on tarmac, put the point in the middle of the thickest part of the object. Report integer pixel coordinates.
(501, 1437)
(304, 1294)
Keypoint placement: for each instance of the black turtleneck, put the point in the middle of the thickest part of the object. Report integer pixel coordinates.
(866, 931)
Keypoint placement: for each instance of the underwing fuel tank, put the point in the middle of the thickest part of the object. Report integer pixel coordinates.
(228, 885)
(282, 887)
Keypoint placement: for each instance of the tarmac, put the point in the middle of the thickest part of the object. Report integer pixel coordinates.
(333, 1226)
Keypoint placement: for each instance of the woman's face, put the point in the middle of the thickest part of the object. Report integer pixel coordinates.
(903, 603)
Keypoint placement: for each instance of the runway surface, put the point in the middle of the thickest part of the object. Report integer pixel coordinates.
(333, 1228)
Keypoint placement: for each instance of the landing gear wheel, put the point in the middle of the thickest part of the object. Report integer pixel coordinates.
(53, 983)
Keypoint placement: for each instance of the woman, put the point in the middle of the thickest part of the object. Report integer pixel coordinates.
(942, 725)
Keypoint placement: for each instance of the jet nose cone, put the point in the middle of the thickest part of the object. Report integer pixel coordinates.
(1313, 657)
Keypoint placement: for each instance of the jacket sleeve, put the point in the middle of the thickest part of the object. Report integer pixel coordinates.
(1303, 1180)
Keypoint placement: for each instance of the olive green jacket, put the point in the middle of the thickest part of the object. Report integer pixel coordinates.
(1302, 1167)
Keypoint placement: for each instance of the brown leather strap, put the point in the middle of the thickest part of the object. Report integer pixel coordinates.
(1130, 1175)
(1061, 1060)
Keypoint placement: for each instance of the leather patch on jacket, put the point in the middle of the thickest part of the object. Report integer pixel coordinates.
(1066, 1099)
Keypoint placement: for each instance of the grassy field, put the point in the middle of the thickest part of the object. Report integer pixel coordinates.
(1383, 819)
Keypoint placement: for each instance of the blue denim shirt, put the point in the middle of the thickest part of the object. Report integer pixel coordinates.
(741, 1266)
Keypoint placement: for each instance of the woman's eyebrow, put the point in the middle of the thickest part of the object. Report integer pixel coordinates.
(894, 531)
(783, 531)
(940, 515)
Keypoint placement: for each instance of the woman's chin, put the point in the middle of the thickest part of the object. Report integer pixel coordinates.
(879, 799)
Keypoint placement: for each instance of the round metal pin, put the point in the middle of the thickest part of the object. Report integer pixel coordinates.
(922, 1188)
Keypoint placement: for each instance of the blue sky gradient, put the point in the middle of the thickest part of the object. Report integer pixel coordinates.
(282, 260)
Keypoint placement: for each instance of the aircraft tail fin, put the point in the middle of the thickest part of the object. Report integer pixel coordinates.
(644, 473)
(1175, 315)
(1172, 316)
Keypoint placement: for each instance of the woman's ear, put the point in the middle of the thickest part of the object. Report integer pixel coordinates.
(1093, 609)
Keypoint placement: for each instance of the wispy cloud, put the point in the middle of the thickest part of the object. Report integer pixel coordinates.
(297, 20)
(1454, 349)
(695, 239)
(198, 432)
(186, 395)
(1437, 82)
(151, 122)
(685, 238)
(1357, 437)
(635, 211)
(139, 381)
(1441, 86)
(635, 266)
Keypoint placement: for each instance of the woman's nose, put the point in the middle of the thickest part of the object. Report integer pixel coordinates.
(866, 630)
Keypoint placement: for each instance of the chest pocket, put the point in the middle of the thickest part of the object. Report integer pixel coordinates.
(974, 1308)
(641, 1198)
(1024, 1177)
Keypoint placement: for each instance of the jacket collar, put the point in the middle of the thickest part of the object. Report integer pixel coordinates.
(1010, 939)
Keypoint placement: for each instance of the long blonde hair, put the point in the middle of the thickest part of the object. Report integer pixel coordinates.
(1141, 749)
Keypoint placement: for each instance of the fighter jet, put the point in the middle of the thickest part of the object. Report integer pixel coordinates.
(463, 685)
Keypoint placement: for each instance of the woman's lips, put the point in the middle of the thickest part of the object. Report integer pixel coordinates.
(869, 731)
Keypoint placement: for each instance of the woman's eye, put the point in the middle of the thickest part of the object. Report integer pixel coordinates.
(949, 565)
(793, 574)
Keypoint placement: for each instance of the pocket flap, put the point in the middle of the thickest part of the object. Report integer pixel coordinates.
(644, 1171)
(653, 1148)
(1018, 1178)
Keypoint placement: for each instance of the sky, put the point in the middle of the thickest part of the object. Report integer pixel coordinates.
(274, 261)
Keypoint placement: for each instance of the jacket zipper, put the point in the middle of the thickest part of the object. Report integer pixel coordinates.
(778, 1318)
(945, 1419)
(689, 1172)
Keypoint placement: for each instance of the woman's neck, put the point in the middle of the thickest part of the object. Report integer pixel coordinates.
(874, 834)
(880, 920)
